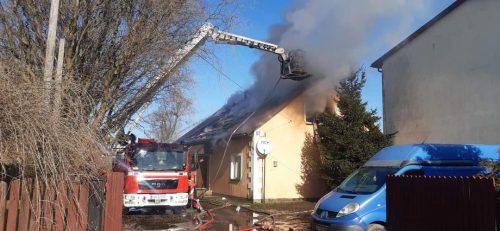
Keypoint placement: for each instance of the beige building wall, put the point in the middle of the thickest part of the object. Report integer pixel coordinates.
(284, 177)
(285, 174)
(221, 183)
(444, 86)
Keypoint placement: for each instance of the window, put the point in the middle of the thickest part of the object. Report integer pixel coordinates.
(366, 180)
(159, 159)
(309, 114)
(235, 168)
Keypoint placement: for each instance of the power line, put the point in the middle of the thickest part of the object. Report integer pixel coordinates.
(221, 72)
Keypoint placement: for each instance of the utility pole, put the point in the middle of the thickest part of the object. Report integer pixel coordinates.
(58, 79)
(49, 49)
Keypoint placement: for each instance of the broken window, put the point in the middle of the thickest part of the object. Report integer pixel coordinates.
(309, 114)
(235, 168)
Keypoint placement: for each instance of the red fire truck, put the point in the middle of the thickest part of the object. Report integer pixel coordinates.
(156, 175)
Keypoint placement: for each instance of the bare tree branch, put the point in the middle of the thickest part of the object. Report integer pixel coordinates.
(113, 48)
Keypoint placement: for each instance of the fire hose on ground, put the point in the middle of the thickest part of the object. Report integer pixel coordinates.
(222, 204)
(272, 216)
(211, 218)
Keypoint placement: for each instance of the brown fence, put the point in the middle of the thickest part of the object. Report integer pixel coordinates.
(35, 205)
(440, 203)
(113, 202)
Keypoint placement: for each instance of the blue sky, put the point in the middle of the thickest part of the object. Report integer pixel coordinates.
(212, 89)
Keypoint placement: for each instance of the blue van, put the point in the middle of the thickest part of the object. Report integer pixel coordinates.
(358, 203)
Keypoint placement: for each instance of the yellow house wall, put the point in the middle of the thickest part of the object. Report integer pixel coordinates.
(220, 183)
(287, 131)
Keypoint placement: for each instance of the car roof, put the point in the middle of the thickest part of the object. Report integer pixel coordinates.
(435, 154)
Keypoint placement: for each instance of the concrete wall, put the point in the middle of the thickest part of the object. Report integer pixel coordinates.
(287, 131)
(444, 86)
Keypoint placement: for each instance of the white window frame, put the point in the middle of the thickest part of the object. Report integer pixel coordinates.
(235, 167)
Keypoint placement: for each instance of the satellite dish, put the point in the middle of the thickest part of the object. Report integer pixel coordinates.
(264, 147)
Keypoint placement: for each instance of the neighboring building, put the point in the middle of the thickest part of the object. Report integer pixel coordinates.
(442, 84)
(241, 171)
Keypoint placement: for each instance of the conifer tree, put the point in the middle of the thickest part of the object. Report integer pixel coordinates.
(349, 137)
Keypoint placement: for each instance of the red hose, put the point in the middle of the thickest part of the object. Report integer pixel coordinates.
(210, 221)
(211, 216)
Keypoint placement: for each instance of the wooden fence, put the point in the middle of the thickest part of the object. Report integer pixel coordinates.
(113, 202)
(440, 203)
(36, 205)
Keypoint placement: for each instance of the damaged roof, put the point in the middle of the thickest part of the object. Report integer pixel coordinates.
(224, 121)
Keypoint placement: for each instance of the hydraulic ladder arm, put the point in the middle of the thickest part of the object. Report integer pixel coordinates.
(292, 63)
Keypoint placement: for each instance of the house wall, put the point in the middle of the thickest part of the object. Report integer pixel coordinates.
(290, 179)
(444, 86)
(287, 131)
(220, 183)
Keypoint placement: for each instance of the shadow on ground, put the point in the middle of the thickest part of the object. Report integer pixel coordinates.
(158, 219)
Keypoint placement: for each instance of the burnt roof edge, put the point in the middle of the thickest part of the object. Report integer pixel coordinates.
(380, 61)
(205, 141)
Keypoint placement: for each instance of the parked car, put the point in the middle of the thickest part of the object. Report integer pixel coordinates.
(358, 203)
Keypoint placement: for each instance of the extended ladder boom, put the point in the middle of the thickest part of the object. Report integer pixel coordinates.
(292, 64)
(233, 39)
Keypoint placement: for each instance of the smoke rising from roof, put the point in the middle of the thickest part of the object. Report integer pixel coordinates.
(335, 35)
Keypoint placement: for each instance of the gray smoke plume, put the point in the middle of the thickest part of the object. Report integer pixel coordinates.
(335, 35)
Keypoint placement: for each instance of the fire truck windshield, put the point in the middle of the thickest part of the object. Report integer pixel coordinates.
(149, 160)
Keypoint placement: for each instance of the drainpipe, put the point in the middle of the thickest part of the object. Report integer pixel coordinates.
(263, 180)
(257, 174)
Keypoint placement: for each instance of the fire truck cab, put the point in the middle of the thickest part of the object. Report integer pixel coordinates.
(156, 174)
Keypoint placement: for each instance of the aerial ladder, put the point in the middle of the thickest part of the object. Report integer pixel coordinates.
(291, 62)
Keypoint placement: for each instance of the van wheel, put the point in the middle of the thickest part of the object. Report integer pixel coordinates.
(375, 227)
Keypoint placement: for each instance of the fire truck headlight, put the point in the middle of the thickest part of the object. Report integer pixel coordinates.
(129, 197)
